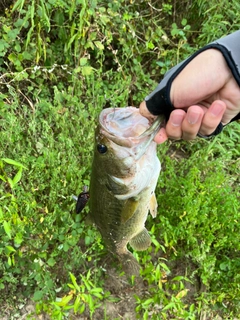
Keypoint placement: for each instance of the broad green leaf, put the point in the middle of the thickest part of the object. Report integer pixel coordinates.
(78, 69)
(9, 180)
(9, 261)
(7, 228)
(13, 162)
(98, 295)
(73, 278)
(90, 302)
(17, 177)
(96, 290)
(82, 308)
(178, 278)
(77, 304)
(51, 262)
(150, 45)
(182, 293)
(12, 57)
(171, 305)
(3, 45)
(38, 295)
(148, 302)
(184, 22)
(65, 246)
(99, 45)
(83, 61)
(10, 249)
(18, 239)
(89, 44)
(87, 70)
(19, 23)
(3, 178)
(64, 301)
(145, 316)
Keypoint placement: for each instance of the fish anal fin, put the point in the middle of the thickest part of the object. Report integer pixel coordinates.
(153, 205)
(141, 241)
(129, 209)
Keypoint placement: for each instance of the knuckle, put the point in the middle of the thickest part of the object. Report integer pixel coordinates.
(174, 133)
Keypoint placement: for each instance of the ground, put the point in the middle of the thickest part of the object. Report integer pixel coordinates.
(122, 305)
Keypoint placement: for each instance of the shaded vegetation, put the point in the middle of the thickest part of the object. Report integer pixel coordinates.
(61, 62)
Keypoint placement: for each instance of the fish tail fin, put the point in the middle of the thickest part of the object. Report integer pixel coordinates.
(130, 264)
(141, 241)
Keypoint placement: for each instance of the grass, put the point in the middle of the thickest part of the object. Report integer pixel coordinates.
(44, 241)
(48, 112)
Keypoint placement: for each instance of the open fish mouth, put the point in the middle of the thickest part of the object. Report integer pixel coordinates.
(130, 137)
(126, 127)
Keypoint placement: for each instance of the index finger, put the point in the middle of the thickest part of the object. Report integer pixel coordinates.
(145, 112)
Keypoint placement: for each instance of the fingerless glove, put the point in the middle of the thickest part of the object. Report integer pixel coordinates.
(158, 102)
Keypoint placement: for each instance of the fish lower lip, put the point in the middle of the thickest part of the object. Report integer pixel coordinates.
(149, 135)
(152, 130)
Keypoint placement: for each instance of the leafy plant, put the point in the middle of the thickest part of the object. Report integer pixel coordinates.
(61, 62)
(80, 296)
(166, 295)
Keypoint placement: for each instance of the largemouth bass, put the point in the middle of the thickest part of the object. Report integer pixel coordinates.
(124, 175)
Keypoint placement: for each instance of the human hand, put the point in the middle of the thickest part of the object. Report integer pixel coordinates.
(204, 94)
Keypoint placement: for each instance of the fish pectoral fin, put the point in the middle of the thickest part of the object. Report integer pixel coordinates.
(129, 209)
(153, 205)
(141, 241)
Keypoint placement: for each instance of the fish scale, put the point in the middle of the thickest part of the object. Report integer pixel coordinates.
(125, 171)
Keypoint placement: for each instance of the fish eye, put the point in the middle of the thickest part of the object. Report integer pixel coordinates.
(101, 148)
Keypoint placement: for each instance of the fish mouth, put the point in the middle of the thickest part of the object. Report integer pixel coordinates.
(130, 137)
(146, 138)
(126, 127)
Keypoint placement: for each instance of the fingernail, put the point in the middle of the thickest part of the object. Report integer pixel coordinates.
(176, 119)
(192, 117)
(216, 109)
(161, 136)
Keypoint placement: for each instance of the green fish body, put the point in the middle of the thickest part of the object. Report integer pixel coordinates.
(124, 175)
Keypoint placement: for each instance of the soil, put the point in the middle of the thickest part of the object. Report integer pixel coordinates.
(123, 303)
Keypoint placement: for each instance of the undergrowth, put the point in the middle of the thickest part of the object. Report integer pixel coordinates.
(61, 62)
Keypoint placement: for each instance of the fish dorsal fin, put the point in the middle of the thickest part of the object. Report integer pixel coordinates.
(129, 209)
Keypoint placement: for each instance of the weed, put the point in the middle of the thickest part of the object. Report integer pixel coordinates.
(61, 62)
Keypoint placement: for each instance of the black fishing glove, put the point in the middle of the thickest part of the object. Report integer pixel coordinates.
(158, 102)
